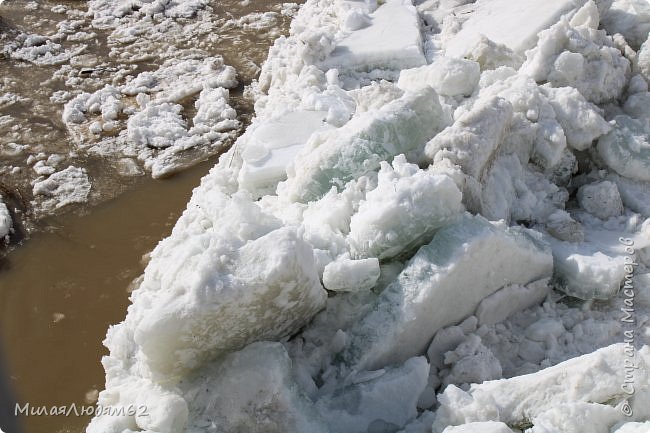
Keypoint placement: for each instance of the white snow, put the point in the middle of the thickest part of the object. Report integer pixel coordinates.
(473, 139)
(594, 268)
(588, 385)
(274, 145)
(601, 199)
(359, 147)
(436, 290)
(449, 251)
(448, 76)
(514, 25)
(626, 149)
(62, 188)
(277, 267)
(351, 275)
(406, 208)
(631, 18)
(374, 405)
(255, 391)
(633, 427)
(396, 24)
(5, 221)
(144, 118)
(482, 427)
(577, 54)
(500, 305)
(158, 126)
(41, 50)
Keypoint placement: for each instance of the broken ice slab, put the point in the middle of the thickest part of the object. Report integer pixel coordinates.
(601, 199)
(448, 76)
(403, 212)
(635, 195)
(359, 147)
(595, 268)
(633, 427)
(443, 284)
(474, 138)
(626, 148)
(274, 145)
(5, 222)
(252, 390)
(61, 189)
(388, 398)
(589, 385)
(268, 289)
(518, 23)
(479, 427)
(501, 304)
(392, 41)
(345, 275)
(630, 18)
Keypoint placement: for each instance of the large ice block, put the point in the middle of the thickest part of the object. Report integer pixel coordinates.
(518, 23)
(391, 41)
(268, 290)
(626, 148)
(274, 145)
(598, 379)
(442, 284)
(362, 144)
(404, 211)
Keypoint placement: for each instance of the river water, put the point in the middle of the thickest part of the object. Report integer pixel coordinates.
(67, 277)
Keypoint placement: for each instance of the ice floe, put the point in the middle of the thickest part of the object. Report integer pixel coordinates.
(144, 118)
(62, 188)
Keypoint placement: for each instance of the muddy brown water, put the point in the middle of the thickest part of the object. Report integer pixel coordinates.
(64, 286)
(60, 291)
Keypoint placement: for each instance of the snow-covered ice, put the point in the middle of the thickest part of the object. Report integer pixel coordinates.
(435, 290)
(5, 221)
(406, 208)
(626, 149)
(404, 239)
(62, 188)
(502, 22)
(144, 118)
(359, 147)
(274, 146)
(561, 397)
(396, 24)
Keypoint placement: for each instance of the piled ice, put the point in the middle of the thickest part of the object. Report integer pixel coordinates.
(463, 248)
(560, 398)
(5, 221)
(435, 289)
(144, 118)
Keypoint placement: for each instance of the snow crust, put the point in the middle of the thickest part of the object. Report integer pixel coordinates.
(406, 240)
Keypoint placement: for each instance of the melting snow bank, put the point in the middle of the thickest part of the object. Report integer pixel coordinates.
(371, 255)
